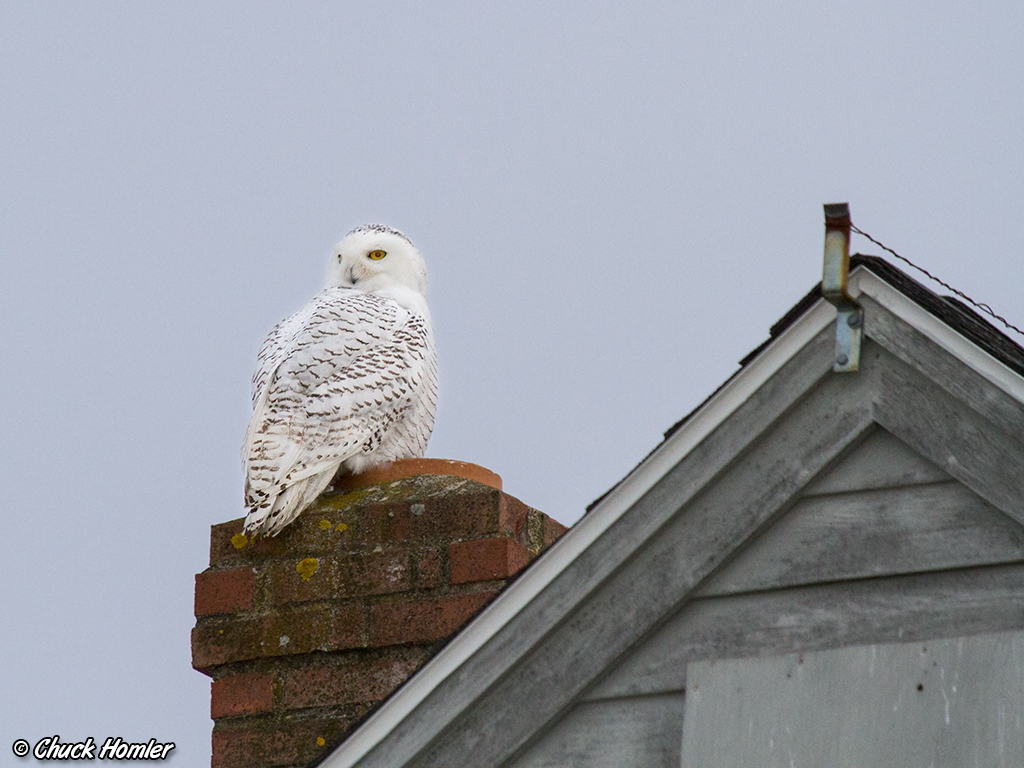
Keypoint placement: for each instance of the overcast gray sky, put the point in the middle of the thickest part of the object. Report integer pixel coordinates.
(614, 200)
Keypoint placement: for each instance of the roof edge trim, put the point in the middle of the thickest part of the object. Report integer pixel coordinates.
(863, 280)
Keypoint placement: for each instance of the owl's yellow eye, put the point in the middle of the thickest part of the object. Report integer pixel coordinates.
(377, 255)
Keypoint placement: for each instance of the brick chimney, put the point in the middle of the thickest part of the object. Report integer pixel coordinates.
(305, 633)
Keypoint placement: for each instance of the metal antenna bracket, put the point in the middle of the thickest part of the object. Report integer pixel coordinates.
(850, 316)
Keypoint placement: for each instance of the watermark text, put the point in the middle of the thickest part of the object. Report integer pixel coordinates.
(113, 748)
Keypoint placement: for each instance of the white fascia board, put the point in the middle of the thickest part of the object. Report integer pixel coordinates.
(862, 280)
(700, 424)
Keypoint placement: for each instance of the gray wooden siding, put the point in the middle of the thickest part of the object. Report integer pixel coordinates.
(880, 509)
(879, 461)
(986, 456)
(819, 617)
(957, 702)
(874, 533)
(639, 732)
(769, 625)
(883, 510)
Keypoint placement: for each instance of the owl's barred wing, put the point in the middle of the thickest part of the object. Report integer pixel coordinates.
(270, 355)
(339, 375)
(352, 318)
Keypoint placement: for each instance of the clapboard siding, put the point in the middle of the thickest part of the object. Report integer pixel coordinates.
(874, 533)
(880, 509)
(636, 732)
(894, 609)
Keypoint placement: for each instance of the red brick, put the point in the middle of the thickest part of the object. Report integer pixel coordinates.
(216, 643)
(423, 621)
(553, 531)
(442, 518)
(228, 543)
(339, 656)
(512, 517)
(315, 629)
(446, 514)
(274, 742)
(360, 681)
(247, 694)
(221, 547)
(224, 591)
(429, 574)
(284, 633)
(308, 534)
(486, 559)
(463, 516)
(384, 524)
(312, 532)
(339, 576)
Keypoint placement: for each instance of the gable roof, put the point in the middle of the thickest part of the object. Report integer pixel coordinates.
(951, 311)
(521, 656)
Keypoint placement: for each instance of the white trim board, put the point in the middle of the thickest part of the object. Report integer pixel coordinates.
(730, 397)
(864, 281)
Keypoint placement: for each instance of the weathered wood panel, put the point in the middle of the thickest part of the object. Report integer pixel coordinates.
(881, 461)
(636, 732)
(942, 702)
(895, 609)
(874, 533)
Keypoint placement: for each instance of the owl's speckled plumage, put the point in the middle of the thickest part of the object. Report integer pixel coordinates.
(348, 382)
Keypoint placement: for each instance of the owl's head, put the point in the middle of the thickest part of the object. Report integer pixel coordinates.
(375, 258)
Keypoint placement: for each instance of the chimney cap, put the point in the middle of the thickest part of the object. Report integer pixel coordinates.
(403, 468)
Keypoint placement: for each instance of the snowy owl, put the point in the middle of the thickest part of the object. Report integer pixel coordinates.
(349, 382)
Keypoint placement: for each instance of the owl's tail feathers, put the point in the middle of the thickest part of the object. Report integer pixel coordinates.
(269, 518)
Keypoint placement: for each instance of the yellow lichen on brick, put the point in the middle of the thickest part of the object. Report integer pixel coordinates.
(342, 526)
(239, 540)
(341, 501)
(320, 741)
(307, 568)
(325, 525)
